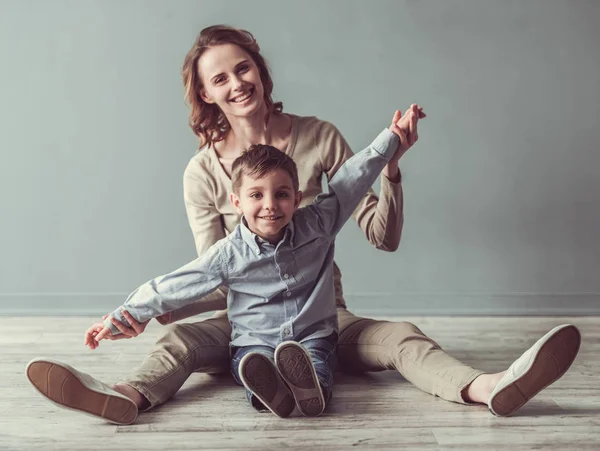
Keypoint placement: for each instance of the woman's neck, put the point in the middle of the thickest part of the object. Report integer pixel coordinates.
(246, 131)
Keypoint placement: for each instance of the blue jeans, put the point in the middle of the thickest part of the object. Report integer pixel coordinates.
(322, 353)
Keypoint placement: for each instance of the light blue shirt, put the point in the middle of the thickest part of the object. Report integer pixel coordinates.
(276, 292)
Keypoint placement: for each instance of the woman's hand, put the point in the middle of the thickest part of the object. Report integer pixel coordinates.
(164, 319)
(135, 329)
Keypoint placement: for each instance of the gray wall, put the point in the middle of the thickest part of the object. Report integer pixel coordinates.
(502, 190)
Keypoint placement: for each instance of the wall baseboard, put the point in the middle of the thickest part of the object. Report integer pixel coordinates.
(376, 304)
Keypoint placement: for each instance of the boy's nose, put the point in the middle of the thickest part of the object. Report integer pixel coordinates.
(270, 203)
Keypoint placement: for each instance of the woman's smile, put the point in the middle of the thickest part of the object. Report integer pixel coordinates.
(243, 98)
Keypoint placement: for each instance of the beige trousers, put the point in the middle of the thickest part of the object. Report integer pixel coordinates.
(364, 345)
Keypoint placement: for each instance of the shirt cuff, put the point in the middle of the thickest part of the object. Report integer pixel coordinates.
(386, 144)
(113, 329)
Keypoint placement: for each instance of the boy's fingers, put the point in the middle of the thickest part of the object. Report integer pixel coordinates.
(398, 131)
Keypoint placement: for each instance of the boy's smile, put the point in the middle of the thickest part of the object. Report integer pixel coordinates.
(267, 203)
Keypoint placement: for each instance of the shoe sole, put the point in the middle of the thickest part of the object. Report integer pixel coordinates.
(259, 375)
(61, 385)
(548, 364)
(297, 370)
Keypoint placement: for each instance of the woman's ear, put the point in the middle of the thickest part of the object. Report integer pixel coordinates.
(204, 96)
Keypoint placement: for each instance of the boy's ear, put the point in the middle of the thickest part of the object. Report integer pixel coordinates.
(204, 96)
(235, 201)
(298, 199)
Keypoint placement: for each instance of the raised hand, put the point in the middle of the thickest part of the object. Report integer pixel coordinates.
(405, 126)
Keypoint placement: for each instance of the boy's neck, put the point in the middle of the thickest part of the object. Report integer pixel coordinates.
(272, 240)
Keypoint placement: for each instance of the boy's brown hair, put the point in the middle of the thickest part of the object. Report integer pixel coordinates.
(259, 160)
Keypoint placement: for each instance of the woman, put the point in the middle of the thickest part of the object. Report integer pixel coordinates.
(228, 86)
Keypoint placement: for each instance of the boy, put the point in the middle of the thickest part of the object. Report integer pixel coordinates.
(278, 266)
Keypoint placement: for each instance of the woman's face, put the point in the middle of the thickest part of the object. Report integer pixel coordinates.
(231, 80)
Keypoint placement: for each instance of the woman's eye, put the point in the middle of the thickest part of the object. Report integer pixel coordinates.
(243, 69)
(219, 80)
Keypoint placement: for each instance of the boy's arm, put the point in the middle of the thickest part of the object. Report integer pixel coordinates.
(352, 180)
(380, 217)
(174, 290)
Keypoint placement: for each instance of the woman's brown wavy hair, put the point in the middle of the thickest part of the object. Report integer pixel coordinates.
(207, 120)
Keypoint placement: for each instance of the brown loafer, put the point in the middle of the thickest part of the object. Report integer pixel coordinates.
(541, 365)
(68, 388)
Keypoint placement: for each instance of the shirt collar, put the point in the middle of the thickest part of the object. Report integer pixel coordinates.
(249, 237)
(253, 240)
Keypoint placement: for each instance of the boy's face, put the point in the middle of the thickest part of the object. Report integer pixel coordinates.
(267, 203)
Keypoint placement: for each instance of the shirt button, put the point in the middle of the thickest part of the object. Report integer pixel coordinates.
(286, 331)
(288, 293)
(286, 276)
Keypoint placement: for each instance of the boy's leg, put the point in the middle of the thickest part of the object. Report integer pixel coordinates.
(253, 367)
(183, 349)
(308, 369)
(370, 345)
(323, 354)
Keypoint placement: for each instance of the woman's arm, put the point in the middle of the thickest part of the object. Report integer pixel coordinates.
(380, 218)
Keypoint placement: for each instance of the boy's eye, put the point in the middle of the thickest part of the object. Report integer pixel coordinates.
(256, 195)
(282, 194)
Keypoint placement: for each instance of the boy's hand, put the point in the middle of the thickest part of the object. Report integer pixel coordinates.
(90, 335)
(405, 126)
(98, 332)
(95, 333)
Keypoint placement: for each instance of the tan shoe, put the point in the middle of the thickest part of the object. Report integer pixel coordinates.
(259, 375)
(541, 365)
(68, 388)
(296, 368)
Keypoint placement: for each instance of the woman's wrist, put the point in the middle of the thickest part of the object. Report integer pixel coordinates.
(392, 172)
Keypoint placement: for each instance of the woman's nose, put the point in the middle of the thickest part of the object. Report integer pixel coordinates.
(237, 83)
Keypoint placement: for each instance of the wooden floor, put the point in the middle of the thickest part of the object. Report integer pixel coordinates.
(370, 411)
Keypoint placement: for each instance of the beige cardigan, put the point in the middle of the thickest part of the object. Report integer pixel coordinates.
(318, 148)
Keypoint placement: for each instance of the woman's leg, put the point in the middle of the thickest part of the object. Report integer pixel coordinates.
(181, 351)
(370, 345)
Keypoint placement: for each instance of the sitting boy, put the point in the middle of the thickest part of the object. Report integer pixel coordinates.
(278, 266)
